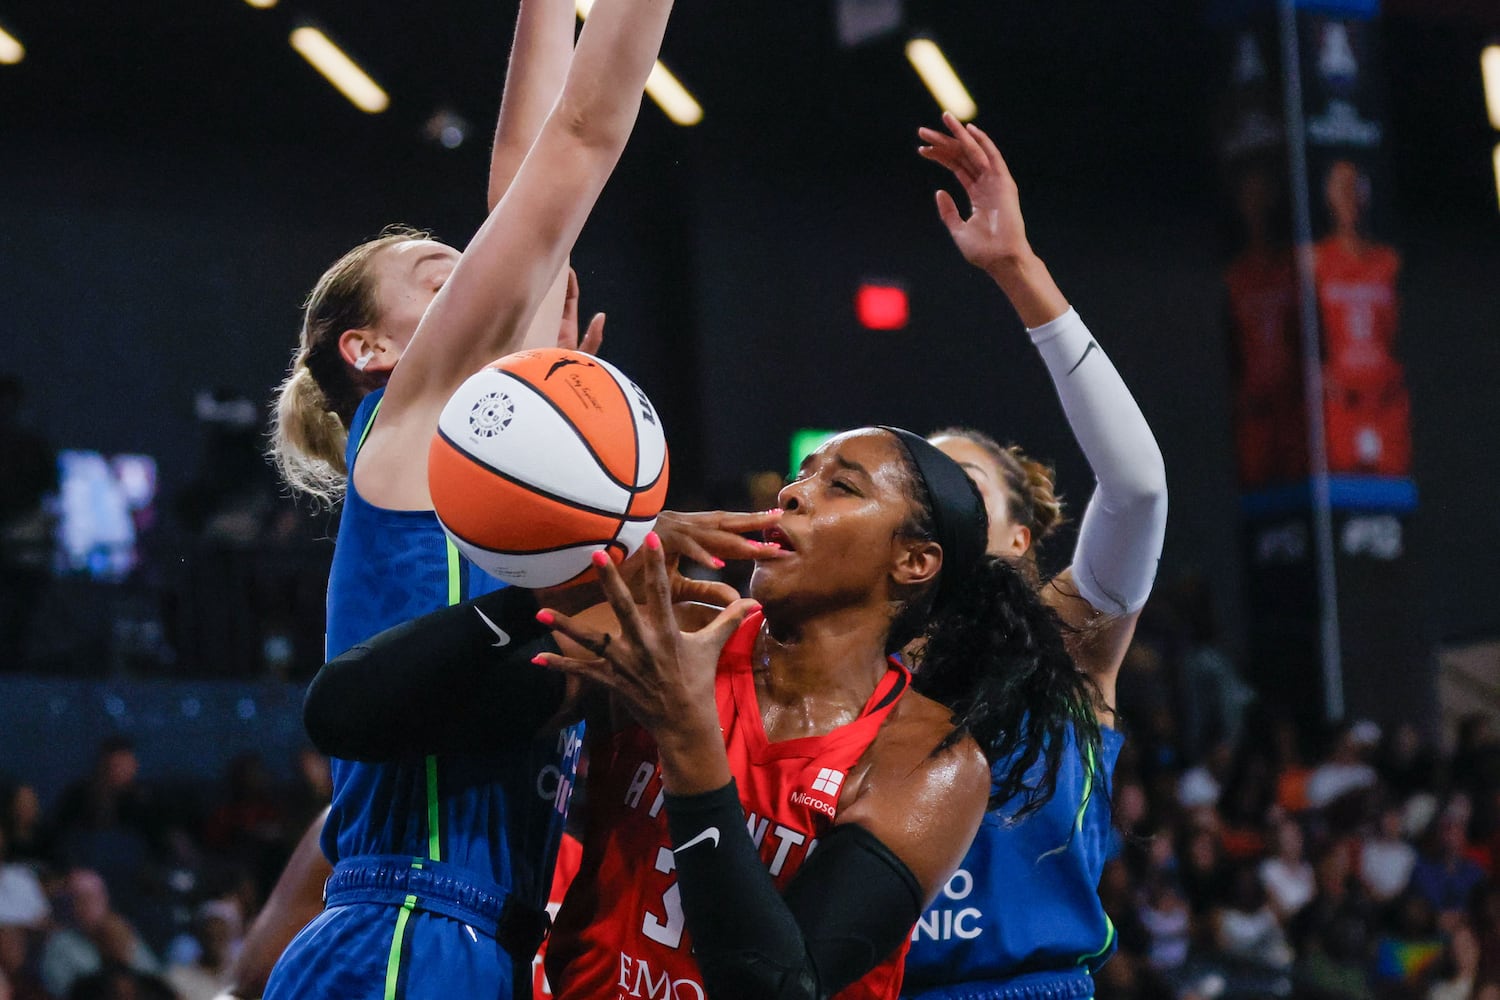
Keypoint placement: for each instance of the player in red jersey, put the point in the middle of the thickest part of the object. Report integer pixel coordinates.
(772, 798)
(771, 813)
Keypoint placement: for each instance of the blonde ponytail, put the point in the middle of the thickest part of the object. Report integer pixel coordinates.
(316, 401)
(308, 438)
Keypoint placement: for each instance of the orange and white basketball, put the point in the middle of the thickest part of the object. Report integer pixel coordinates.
(542, 459)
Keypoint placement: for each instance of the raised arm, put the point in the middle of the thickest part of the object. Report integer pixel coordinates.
(539, 60)
(1120, 537)
(496, 289)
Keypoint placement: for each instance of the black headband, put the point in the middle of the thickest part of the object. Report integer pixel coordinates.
(959, 519)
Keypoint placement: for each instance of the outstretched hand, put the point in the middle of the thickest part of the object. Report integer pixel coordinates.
(664, 676)
(567, 334)
(994, 233)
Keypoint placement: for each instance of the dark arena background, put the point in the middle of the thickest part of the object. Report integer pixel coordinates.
(174, 176)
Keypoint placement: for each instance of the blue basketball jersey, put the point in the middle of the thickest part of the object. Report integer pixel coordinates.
(488, 824)
(1025, 899)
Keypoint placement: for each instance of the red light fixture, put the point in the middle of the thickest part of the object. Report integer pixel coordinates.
(882, 306)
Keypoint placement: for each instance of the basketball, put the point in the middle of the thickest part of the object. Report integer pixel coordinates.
(542, 459)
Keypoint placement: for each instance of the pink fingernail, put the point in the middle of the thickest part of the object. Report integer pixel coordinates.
(770, 545)
(776, 511)
(546, 617)
(716, 563)
(653, 541)
(600, 559)
(540, 661)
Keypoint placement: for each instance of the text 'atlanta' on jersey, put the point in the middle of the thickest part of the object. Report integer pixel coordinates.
(621, 934)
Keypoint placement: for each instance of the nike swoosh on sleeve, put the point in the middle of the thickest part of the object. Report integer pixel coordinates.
(712, 833)
(1093, 346)
(502, 639)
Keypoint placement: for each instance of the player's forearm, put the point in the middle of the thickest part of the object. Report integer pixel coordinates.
(457, 680)
(539, 61)
(1123, 528)
(615, 54)
(1028, 285)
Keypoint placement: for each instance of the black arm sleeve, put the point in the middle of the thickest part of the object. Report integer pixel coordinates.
(459, 680)
(851, 904)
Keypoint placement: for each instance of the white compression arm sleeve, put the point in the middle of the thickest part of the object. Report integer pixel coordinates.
(1120, 538)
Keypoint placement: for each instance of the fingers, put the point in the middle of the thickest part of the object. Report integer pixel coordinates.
(593, 337)
(619, 597)
(686, 590)
(740, 522)
(991, 151)
(722, 627)
(974, 156)
(576, 638)
(688, 547)
(596, 670)
(658, 586)
(948, 212)
(711, 537)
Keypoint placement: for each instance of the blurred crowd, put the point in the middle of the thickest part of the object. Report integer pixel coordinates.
(1260, 858)
(129, 890)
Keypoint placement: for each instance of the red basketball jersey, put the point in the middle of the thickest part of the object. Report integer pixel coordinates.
(1357, 301)
(621, 932)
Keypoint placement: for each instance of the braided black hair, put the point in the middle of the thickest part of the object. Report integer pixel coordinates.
(994, 654)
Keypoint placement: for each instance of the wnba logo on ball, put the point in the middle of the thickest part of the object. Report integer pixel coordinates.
(491, 414)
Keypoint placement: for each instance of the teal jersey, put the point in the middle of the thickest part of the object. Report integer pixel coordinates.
(482, 827)
(1025, 899)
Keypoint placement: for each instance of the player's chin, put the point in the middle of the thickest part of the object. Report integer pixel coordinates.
(772, 580)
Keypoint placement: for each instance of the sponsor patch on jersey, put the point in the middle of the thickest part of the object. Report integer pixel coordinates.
(824, 793)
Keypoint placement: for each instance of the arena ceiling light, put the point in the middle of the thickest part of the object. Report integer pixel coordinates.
(1497, 171)
(937, 73)
(11, 49)
(1489, 65)
(262, 4)
(675, 101)
(341, 71)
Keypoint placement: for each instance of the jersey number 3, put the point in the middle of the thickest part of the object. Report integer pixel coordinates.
(668, 932)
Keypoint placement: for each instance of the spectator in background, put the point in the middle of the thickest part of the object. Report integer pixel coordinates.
(1346, 770)
(1164, 914)
(1411, 948)
(1246, 928)
(1286, 876)
(1446, 877)
(250, 827)
(1203, 873)
(216, 927)
(1458, 968)
(1406, 763)
(1292, 772)
(1333, 963)
(30, 466)
(17, 971)
(1476, 755)
(21, 823)
(122, 974)
(1385, 860)
(1211, 695)
(23, 903)
(1484, 918)
(105, 823)
(90, 934)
